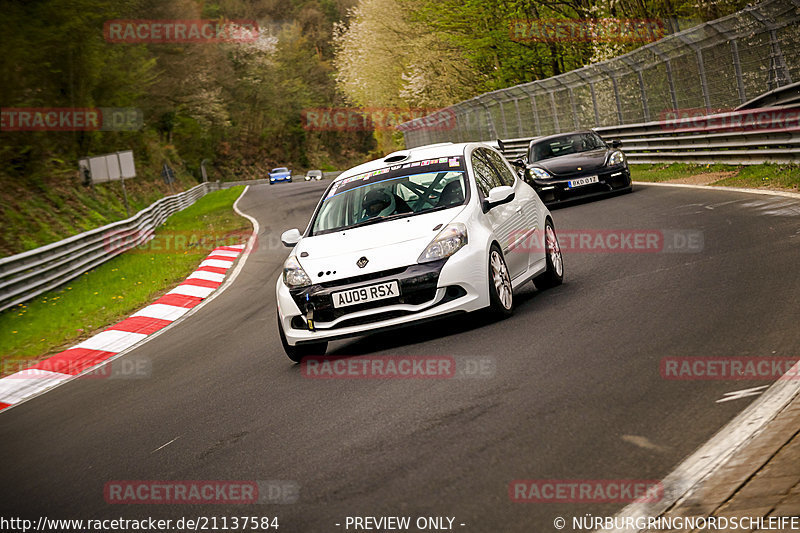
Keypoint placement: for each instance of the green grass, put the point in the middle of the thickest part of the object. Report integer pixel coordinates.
(671, 171)
(114, 290)
(765, 175)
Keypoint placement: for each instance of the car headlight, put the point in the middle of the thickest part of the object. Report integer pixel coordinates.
(617, 158)
(293, 274)
(539, 173)
(447, 242)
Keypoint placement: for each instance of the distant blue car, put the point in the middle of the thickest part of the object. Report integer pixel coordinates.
(280, 174)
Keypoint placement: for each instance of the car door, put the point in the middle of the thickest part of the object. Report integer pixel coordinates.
(528, 238)
(505, 219)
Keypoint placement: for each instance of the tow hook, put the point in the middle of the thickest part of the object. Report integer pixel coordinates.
(310, 316)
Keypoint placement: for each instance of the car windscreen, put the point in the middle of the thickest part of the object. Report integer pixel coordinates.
(392, 192)
(280, 169)
(565, 144)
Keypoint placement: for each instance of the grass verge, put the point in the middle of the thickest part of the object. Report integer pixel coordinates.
(762, 176)
(114, 290)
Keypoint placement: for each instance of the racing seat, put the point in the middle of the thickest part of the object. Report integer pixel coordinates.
(452, 194)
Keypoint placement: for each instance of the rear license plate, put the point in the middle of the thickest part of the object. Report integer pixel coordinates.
(370, 293)
(588, 180)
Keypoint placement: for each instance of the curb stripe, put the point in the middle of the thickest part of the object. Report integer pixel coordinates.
(197, 282)
(215, 270)
(72, 361)
(141, 324)
(177, 300)
(170, 313)
(210, 276)
(27, 383)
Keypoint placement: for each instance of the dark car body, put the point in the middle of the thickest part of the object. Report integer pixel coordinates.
(280, 174)
(577, 164)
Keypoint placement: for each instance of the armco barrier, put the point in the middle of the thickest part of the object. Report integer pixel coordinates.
(29, 274)
(770, 135)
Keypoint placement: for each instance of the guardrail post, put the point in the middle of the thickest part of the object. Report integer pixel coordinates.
(594, 105)
(703, 81)
(519, 118)
(737, 67)
(555, 111)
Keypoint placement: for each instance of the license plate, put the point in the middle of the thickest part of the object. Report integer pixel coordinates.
(582, 181)
(370, 293)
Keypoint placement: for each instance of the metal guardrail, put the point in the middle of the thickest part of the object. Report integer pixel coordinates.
(26, 275)
(752, 136)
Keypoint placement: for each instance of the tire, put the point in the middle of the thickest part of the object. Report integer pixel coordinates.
(554, 275)
(298, 352)
(501, 295)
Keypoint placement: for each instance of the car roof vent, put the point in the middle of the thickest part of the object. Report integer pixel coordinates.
(396, 157)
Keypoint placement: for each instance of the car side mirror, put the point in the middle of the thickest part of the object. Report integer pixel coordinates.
(498, 196)
(616, 143)
(291, 237)
(520, 162)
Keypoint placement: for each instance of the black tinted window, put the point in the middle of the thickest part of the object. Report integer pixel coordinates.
(485, 174)
(506, 176)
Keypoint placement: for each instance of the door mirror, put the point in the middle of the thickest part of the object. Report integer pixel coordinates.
(498, 196)
(520, 162)
(291, 237)
(616, 143)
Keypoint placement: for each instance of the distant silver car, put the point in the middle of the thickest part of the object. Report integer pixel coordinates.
(313, 175)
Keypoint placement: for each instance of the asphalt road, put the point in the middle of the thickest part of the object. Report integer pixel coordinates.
(576, 394)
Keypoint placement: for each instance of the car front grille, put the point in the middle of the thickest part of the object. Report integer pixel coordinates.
(417, 284)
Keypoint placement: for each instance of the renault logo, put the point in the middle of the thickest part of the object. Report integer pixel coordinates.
(362, 262)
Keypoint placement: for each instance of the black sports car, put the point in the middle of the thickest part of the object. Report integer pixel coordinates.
(574, 165)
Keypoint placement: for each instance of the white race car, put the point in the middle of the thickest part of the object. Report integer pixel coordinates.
(419, 234)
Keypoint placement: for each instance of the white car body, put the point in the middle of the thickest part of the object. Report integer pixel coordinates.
(463, 282)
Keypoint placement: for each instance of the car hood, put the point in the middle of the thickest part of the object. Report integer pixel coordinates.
(386, 245)
(568, 164)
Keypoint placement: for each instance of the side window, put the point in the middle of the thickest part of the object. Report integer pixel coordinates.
(506, 176)
(485, 174)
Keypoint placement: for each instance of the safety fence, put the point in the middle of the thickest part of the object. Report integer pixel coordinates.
(718, 65)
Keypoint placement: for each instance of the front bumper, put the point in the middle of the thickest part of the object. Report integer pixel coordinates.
(556, 190)
(275, 179)
(427, 290)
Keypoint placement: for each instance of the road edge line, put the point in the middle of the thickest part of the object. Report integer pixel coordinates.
(787, 194)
